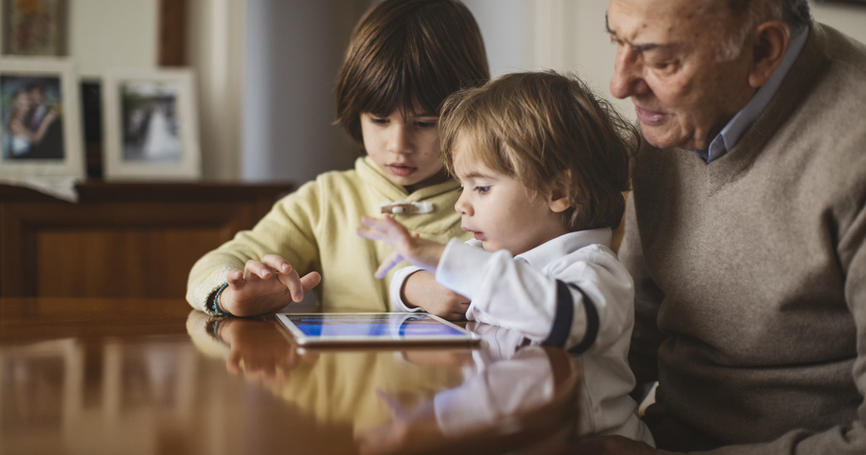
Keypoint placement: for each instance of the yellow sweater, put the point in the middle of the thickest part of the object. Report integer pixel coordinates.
(314, 230)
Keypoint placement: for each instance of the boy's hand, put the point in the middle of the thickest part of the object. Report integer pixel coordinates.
(421, 289)
(420, 252)
(264, 287)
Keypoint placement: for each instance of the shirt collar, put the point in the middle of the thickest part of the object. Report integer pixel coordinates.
(563, 245)
(737, 126)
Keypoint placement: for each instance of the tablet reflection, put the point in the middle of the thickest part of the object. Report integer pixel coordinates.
(337, 389)
(504, 380)
(400, 401)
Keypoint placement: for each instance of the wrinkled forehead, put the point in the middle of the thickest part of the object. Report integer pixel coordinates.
(660, 21)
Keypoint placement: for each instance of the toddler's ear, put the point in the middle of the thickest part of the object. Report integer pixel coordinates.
(558, 198)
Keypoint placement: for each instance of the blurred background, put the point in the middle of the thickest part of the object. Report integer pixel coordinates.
(265, 69)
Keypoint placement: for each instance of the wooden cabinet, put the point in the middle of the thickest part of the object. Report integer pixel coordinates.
(120, 240)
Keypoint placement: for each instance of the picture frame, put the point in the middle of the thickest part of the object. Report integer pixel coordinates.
(40, 111)
(150, 125)
(35, 27)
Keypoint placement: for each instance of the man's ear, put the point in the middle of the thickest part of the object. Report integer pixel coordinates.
(770, 44)
(558, 198)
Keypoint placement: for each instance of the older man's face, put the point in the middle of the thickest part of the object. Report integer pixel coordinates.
(667, 61)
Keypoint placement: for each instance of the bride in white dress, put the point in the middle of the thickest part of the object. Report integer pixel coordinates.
(161, 143)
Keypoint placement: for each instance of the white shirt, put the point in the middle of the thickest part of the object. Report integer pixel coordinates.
(520, 293)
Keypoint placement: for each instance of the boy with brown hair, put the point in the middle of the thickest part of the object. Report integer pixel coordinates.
(404, 58)
(543, 163)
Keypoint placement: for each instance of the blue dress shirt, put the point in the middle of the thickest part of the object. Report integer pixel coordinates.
(734, 130)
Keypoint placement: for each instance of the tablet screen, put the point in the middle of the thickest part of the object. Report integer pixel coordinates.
(372, 327)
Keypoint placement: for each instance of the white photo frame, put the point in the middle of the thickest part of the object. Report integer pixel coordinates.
(150, 125)
(40, 111)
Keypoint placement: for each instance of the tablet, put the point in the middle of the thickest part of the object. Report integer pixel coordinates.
(323, 329)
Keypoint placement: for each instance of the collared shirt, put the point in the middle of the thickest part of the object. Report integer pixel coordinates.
(737, 126)
(521, 293)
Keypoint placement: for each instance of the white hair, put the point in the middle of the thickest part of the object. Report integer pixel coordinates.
(751, 13)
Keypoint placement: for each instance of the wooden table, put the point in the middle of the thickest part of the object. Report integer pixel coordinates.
(94, 376)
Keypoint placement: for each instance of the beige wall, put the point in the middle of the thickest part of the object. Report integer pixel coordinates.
(216, 32)
(113, 33)
(520, 35)
(569, 35)
(849, 19)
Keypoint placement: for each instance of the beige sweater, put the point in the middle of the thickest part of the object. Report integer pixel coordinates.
(314, 230)
(751, 271)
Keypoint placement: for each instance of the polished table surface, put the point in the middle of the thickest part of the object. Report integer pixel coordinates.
(94, 376)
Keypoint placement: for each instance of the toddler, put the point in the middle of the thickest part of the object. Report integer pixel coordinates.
(542, 162)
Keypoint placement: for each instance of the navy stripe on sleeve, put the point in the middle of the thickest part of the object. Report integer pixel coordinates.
(592, 323)
(564, 318)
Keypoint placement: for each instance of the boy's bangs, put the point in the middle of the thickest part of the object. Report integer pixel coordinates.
(407, 90)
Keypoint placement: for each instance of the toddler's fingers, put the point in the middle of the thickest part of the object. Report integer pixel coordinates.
(388, 263)
(370, 234)
(375, 223)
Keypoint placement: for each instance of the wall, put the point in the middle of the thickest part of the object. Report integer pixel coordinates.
(113, 33)
(293, 51)
(265, 68)
(562, 35)
(216, 47)
(569, 35)
(849, 19)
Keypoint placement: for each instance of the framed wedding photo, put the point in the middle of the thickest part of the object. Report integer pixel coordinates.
(150, 125)
(40, 135)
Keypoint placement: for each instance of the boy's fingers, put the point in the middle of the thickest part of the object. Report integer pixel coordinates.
(293, 284)
(235, 277)
(277, 263)
(258, 269)
(310, 280)
(233, 362)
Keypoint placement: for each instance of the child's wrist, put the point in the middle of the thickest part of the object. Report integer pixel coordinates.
(403, 298)
(428, 253)
(214, 307)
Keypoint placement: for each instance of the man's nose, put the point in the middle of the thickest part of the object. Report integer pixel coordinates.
(627, 79)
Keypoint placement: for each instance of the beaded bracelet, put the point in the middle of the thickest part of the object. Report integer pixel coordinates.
(215, 306)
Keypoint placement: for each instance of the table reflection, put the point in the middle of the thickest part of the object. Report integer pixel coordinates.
(150, 377)
(400, 401)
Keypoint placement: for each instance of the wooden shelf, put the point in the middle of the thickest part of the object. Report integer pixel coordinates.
(131, 240)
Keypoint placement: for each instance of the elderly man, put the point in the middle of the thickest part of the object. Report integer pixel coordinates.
(746, 233)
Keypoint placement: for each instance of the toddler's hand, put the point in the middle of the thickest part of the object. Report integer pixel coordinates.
(420, 252)
(264, 287)
(421, 289)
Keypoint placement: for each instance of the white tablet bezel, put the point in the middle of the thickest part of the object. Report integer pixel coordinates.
(303, 339)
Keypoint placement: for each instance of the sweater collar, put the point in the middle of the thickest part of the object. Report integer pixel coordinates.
(797, 82)
(734, 130)
(443, 196)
